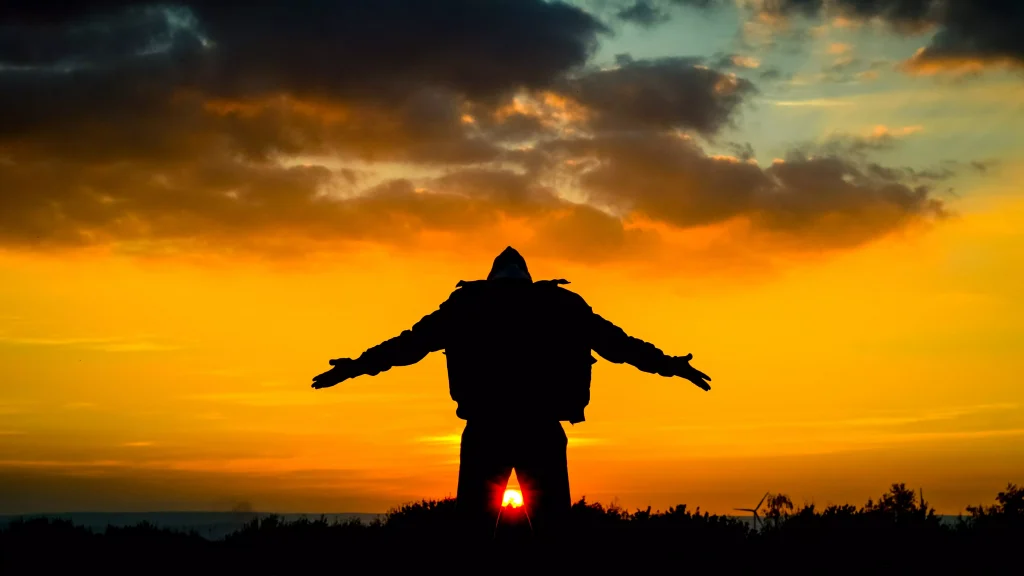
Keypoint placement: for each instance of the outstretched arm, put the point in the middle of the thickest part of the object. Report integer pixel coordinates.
(614, 345)
(426, 336)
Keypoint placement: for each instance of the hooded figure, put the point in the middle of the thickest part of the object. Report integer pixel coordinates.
(509, 264)
(519, 363)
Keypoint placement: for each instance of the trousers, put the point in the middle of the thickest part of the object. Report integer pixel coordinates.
(490, 451)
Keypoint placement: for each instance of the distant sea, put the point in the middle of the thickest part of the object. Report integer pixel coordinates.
(213, 525)
(210, 525)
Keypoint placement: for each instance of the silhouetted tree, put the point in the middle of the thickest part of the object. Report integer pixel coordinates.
(901, 504)
(1010, 504)
(777, 508)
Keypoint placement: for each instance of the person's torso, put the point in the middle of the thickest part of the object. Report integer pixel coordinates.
(519, 348)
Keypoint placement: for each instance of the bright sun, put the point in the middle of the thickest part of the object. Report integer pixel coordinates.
(513, 498)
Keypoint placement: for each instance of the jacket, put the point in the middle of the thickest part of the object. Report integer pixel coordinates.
(516, 349)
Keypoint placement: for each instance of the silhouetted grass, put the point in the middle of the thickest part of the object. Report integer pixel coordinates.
(897, 534)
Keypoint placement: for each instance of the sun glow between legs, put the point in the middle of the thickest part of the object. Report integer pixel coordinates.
(513, 498)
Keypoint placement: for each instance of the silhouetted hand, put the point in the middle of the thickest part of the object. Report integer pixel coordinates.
(680, 366)
(344, 368)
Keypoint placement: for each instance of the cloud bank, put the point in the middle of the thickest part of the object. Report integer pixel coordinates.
(209, 126)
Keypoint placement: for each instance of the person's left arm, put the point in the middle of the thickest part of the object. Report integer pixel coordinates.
(428, 335)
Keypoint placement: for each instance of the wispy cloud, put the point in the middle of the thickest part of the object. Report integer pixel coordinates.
(70, 464)
(447, 439)
(141, 444)
(210, 416)
(224, 372)
(838, 48)
(140, 346)
(745, 61)
(455, 439)
(585, 441)
(861, 422)
(926, 436)
(10, 407)
(882, 130)
(29, 341)
(106, 344)
(302, 395)
(933, 416)
(812, 103)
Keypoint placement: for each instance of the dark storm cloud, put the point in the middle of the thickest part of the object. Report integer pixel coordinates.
(49, 12)
(223, 204)
(790, 7)
(743, 151)
(984, 31)
(841, 200)
(515, 192)
(643, 13)
(95, 40)
(120, 64)
(847, 146)
(477, 48)
(423, 127)
(308, 46)
(587, 234)
(513, 128)
(217, 199)
(830, 199)
(123, 78)
(911, 12)
(663, 93)
(85, 116)
(773, 74)
(576, 231)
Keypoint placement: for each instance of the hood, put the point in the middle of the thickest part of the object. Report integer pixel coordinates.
(510, 264)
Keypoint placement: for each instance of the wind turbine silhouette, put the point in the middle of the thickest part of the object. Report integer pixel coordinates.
(754, 509)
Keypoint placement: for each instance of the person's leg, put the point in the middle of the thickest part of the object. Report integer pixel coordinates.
(483, 475)
(543, 473)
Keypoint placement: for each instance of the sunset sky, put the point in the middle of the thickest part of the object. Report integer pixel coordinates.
(202, 202)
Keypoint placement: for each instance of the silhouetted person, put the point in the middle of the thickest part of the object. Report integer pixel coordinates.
(519, 362)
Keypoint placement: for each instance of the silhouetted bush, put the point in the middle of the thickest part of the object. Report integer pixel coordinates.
(897, 533)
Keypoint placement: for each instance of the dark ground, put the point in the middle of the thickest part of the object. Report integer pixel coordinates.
(896, 534)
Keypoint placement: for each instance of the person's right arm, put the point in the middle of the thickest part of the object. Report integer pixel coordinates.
(428, 335)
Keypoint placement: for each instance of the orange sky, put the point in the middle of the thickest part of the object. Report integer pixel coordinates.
(822, 206)
(159, 384)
